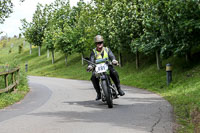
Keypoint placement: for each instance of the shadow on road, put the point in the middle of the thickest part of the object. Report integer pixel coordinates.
(140, 114)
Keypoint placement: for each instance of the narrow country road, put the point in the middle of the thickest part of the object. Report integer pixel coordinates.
(57, 105)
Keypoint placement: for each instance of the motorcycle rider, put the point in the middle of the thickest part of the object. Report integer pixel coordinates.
(101, 52)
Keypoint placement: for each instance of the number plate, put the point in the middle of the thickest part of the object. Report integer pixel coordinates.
(101, 68)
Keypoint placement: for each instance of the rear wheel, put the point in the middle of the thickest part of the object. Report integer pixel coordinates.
(107, 93)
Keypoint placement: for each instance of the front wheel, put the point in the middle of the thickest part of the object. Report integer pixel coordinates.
(107, 93)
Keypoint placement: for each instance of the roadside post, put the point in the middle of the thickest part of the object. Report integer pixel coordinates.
(169, 73)
(26, 66)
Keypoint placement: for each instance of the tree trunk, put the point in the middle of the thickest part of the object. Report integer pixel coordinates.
(158, 60)
(120, 59)
(47, 53)
(188, 57)
(82, 56)
(137, 60)
(66, 59)
(30, 49)
(52, 53)
(39, 50)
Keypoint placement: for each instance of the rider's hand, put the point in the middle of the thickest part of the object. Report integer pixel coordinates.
(115, 62)
(89, 68)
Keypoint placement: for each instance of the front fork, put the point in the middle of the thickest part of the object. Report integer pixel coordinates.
(110, 86)
(101, 78)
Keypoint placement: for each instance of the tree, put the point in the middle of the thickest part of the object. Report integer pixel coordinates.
(162, 27)
(49, 41)
(6, 7)
(39, 25)
(63, 29)
(63, 41)
(109, 23)
(170, 28)
(184, 26)
(34, 31)
(84, 30)
(27, 32)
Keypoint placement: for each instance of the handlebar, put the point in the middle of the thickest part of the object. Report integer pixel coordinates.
(99, 61)
(85, 59)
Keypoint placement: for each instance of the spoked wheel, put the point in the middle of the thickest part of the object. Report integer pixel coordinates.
(107, 93)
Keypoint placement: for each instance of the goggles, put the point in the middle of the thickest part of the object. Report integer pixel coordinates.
(98, 43)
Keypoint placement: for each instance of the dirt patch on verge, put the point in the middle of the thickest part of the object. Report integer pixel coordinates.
(195, 115)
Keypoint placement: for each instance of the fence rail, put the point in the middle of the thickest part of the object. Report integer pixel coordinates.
(14, 80)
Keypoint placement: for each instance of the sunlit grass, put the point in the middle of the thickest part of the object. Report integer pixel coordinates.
(9, 59)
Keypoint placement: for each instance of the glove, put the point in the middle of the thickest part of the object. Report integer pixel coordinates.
(89, 68)
(115, 62)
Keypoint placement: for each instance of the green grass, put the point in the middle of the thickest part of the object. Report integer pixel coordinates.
(183, 93)
(10, 60)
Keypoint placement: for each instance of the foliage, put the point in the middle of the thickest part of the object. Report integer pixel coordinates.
(34, 31)
(147, 26)
(184, 25)
(48, 40)
(83, 31)
(171, 26)
(6, 9)
(3, 43)
(63, 28)
(20, 48)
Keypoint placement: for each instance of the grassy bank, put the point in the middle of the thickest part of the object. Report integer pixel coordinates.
(11, 61)
(183, 93)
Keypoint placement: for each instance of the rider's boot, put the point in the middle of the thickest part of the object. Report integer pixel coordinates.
(98, 93)
(120, 91)
(95, 83)
(98, 96)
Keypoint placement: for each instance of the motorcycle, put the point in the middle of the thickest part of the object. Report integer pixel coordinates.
(107, 88)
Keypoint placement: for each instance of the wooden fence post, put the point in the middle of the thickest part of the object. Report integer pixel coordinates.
(17, 76)
(6, 80)
(14, 80)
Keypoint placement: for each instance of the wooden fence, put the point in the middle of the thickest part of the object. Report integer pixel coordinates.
(14, 79)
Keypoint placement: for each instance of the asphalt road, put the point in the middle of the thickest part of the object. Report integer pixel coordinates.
(57, 105)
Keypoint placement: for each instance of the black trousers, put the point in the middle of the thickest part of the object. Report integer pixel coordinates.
(114, 76)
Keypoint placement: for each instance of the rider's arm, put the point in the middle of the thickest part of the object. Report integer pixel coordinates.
(111, 55)
(92, 57)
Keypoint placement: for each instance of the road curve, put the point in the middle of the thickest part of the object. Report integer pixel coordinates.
(57, 105)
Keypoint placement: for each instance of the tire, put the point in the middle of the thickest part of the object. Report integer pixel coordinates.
(107, 93)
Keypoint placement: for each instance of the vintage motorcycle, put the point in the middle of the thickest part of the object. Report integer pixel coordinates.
(107, 88)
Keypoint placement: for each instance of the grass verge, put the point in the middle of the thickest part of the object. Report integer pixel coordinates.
(8, 57)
